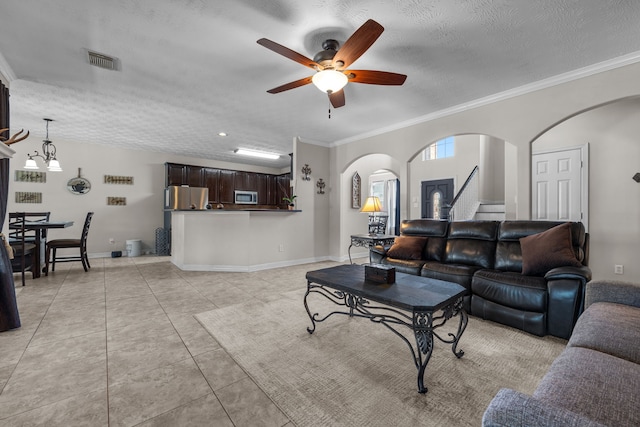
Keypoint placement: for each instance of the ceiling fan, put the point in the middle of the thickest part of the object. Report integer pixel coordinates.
(332, 62)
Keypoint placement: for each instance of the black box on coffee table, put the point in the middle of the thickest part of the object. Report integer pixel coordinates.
(380, 273)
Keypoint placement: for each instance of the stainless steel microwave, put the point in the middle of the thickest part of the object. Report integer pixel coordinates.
(246, 197)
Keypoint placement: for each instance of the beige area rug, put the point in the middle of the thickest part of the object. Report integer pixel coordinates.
(353, 372)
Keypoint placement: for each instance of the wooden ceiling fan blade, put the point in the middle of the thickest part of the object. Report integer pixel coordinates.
(337, 99)
(375, 77)
(291, 85)
(291, 54)
(357, 44)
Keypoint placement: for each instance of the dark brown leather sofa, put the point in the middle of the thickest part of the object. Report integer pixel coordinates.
(486, 258)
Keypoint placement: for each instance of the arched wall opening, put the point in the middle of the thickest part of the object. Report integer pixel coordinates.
(610, 132)
(351, 220)
(494, 156)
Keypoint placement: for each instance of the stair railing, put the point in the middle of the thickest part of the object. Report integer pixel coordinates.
(465, 204)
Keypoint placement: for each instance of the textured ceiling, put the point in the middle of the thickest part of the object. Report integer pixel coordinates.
(188, 69)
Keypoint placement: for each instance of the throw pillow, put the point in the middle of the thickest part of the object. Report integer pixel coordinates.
(550, 249)
(407, 247)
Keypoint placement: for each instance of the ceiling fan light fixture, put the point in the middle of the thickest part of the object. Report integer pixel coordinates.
(329, 81)
(253, 153)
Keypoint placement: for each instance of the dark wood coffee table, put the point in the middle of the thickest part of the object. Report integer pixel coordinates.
(418, 303)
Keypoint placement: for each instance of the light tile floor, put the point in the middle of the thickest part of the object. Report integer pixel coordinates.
(119, 346)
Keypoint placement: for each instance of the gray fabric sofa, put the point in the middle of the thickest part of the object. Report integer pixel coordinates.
(596, 380)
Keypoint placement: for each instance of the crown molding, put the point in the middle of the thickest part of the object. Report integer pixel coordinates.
(580, 73)
(5, 70)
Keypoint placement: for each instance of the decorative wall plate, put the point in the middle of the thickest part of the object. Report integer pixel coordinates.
(79, 185)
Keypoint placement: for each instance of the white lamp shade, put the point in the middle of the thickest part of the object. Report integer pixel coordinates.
(54, 166)
(329, 81)
(31, 164)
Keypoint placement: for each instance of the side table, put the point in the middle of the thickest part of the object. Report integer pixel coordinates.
(369, 240)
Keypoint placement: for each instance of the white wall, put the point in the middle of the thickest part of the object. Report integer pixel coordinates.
(519, 120)
(310, 229)
(614, 197)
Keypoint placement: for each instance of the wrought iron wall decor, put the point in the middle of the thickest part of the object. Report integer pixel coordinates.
(31, 176)
(28, 197)
(115, 179)
(356, 189)
(79, 185)
(636, 177)
(306, 170)
(116, 201)
(320, 184)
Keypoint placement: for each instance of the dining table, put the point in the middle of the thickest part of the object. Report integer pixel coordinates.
(38, 227)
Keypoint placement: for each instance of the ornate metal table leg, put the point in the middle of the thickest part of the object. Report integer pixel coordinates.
(306, 306)
(423, 330)
(349, 251)
(461, 327)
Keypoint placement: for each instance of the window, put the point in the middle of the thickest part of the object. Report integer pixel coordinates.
(377, 189)
(439, 149)
(436, 202)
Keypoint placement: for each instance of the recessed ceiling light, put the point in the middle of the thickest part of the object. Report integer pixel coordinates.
(253, 153)
(222, 134)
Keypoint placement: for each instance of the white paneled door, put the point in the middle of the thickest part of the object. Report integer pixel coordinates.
(558, 185)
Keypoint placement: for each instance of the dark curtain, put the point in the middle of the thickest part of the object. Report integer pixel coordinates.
(397, 216)
(9, 317)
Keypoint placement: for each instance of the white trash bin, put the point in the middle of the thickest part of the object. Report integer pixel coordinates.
(134, 247)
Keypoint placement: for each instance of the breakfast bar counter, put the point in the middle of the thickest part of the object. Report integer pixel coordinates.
(230, 240)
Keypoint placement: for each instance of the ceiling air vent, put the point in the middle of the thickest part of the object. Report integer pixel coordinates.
(102, 61)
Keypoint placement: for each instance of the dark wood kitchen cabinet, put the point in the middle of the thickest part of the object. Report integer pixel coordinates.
(223, 182)
(263, 188)
(246, 181)
(195, 176)
(226, 186)
(212, 182)
(176, 174)
(283, 184)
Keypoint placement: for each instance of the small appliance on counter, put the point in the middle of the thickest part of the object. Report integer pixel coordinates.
(184, 197)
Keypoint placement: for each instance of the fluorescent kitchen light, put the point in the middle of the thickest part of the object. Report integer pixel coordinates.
(253, 153)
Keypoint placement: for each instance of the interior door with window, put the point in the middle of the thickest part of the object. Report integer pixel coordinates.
(437, 195)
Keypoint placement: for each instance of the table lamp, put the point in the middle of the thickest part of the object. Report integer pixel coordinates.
(371, 206)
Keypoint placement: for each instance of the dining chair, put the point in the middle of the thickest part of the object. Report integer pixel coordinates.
(30, 234)
(81, 244)
(23, 251)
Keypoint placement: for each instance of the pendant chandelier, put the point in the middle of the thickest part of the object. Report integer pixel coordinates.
(48, 155)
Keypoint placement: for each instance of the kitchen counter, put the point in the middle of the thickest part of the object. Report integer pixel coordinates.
(232, 240)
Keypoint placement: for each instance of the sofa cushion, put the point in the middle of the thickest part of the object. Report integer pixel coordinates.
(508, 252)
(510, 408)
(597, 385)
(407, 247)
(550, 249)
(456, 273)
(404, 265)
(528, 321)
(610, 328)
(528, 293)
(435, 230)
